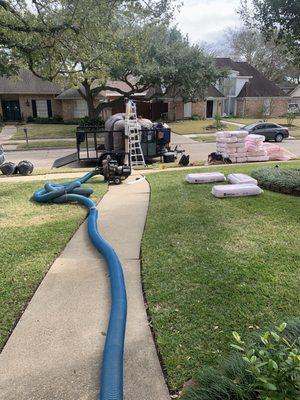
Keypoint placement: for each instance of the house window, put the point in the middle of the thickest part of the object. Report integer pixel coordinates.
(228, 86)
(80, 109)
(42, 108)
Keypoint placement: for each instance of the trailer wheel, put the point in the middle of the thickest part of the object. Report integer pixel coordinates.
(117, 180)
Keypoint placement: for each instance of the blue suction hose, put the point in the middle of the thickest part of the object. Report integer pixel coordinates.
(111, 385)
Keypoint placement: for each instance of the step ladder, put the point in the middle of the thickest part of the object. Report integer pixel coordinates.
(132, 131)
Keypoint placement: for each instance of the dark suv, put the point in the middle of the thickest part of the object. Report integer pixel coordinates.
(269, 130)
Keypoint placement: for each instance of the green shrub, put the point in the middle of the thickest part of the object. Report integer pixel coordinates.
(195, 117)
(86, 121)
(217, 119)
(274, 365)
(268, 368)
(279, 179)
(56, 119)
(230, 381)
(290, 116)
(218, 127)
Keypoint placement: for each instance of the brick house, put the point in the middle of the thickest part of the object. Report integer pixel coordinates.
(244, 92)
(248, 93)
(208, 108)
(73, 105)
(28, 96)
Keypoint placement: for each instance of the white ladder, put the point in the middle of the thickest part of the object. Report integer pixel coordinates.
(132, 131)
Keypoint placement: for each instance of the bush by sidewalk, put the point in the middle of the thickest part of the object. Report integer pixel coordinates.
(279, 179)
(267, 368)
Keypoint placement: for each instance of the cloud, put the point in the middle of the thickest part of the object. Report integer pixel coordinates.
(204, 20)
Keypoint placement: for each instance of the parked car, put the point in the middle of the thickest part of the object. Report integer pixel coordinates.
(269, 130)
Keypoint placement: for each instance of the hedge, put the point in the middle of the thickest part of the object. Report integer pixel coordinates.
(279, 179)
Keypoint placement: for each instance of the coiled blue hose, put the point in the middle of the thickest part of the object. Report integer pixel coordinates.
(111, 386)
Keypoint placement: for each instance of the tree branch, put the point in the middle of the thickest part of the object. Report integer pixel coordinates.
(26, 28)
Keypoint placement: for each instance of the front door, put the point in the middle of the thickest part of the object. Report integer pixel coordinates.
(11, 110)
(187, 110)
(209, 108)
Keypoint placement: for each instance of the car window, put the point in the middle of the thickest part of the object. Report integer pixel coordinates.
(269, 126)
(249, 127)
(261, 126)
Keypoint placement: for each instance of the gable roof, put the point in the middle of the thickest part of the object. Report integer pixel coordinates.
(73, 94)
(27, 83)
(213, 92)
(294, 91)
(258, 85)
(288, 88)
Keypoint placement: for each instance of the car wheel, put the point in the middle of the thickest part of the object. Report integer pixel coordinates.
(279, 137)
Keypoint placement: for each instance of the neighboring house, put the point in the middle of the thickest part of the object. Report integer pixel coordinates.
(208, 108)
(248, 93)
(244, 92)
(28, 96)
(294, 100)
(74, 106)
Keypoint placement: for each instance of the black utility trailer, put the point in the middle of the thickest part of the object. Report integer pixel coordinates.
(91, 150)
(95, 143)
(90, 147)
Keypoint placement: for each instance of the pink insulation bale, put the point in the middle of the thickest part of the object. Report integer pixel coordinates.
(241, 178)
(205, 177)
(238, 190)
(255, 138)
(231, 144)
(255, 148)
(258, 158)
(278, 153)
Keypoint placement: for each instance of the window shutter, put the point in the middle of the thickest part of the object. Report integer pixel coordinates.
(34, 112)
(49, 106)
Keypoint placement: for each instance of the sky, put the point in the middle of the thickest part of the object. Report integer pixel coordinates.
(204, 20)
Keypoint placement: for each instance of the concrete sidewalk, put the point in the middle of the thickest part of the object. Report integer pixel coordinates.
(7, 132)
(55, 351)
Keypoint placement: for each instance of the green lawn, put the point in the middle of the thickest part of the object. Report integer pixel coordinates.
(45, 131)
(60, 144)
(212, 266)
(189, 127)
(205, 138)
(32, 235)
(280, 121)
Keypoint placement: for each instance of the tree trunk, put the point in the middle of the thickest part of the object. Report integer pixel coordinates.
(93, 113)
(174, 107)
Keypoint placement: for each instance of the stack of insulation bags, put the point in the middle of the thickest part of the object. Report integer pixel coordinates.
(232, 145)
(255, 149)
(240, 147)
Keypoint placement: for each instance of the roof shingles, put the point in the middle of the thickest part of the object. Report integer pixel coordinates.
(27, 83)
(258, 85)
